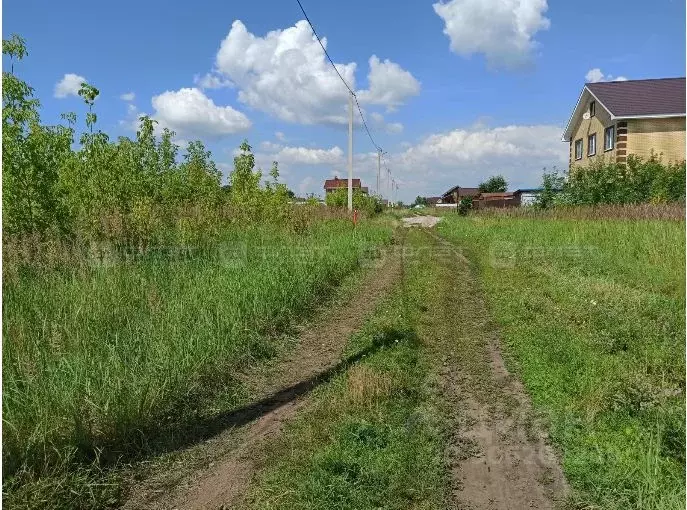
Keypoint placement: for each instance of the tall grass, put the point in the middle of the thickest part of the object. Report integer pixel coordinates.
(592, 313)
(102, 357)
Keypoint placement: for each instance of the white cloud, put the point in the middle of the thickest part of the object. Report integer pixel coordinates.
(305, 156)
(389, 84)
(394, 128)
(377, 120)
(69, 85)
(286, 74)
(469, 156)
(595, 75)
(280, 136)
(502, 30)
(129, 96)
(211, 81)
(191, 112)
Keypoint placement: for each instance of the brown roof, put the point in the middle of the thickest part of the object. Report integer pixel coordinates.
(463, 192)
(632, 98)
(340, 183)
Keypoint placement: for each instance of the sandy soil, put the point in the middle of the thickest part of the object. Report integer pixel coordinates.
(421, 221)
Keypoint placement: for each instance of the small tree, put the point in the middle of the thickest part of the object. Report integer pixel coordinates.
(421, 201)
(464, 206)
(552, 184)
(495, 184)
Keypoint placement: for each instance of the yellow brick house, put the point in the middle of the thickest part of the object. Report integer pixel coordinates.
(615, 119)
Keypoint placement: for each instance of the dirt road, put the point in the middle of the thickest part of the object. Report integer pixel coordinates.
(497, 454)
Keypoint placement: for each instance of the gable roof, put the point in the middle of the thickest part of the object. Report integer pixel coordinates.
(631, 99)
(638, 98)
(340, 183)
(462, 191)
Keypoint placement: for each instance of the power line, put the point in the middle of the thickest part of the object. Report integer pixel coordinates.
(365, 124)
(360, 111)
(323, 48)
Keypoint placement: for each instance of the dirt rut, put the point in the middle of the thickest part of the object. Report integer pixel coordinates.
(229, 459)
(498, 454)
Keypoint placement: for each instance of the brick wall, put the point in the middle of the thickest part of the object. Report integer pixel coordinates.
(666, 136)
(596, 124)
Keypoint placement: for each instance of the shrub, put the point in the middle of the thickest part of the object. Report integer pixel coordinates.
(464, 206)
(369, 204)
(639, 181)
(552, 184)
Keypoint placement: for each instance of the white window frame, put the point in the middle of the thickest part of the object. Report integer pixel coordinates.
(591, 146)
(609, 141)
(578, 155)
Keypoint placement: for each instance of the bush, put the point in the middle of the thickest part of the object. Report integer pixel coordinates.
(464, 206)
(368, 204)
(639, 181)
(552, 185)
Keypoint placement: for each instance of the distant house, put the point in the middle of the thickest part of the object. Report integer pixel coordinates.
(618, 118)
(457, 193)
(433, 201)
(527, 196)
(334, 184)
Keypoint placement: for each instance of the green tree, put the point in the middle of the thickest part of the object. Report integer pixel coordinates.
(464, 206)
(31, 155)
(495, 184)
(552, 185)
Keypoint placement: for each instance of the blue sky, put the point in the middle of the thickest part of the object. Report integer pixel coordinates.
(459, 90)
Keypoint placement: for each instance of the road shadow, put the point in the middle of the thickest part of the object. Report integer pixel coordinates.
(160, 438)
(246, 414)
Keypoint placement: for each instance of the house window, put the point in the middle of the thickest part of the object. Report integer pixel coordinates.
(578, 149)
(591, 145)
(609, 138)
(592, 108)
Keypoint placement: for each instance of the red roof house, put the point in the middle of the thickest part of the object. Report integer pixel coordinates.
(336, 183)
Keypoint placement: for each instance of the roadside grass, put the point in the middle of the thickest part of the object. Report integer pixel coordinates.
(105, 363)
(372, 436)
(592, 314)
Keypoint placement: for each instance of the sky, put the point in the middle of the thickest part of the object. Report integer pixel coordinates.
(452, 91)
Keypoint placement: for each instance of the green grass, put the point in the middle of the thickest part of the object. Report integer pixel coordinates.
(104, 363)
(592, 315)
(372, 437)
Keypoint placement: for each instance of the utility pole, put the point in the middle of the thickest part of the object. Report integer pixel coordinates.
(379, 168)
(350, 151)
(388, 186)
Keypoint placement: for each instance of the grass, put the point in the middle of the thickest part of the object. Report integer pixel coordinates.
(372, 437)
(105, 362)
(592, 314)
